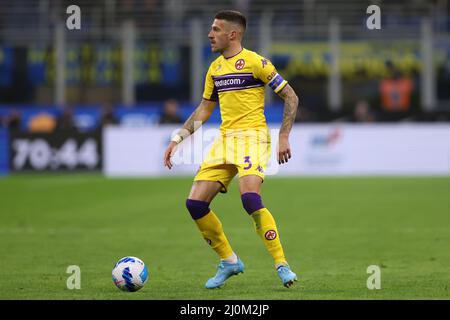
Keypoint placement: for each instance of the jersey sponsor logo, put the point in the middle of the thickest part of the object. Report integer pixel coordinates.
(239, 65)
(227, 82)
(236, 81)
(270, 235)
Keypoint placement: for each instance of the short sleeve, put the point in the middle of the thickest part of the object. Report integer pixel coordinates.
(210, 91)
(266, 72)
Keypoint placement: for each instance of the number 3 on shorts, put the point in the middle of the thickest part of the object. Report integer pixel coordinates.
(247, 160)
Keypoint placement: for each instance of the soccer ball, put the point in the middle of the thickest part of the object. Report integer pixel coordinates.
(130, 274)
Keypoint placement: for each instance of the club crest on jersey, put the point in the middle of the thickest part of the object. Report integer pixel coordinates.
(239, 65)
(219, 67)
(270, 235)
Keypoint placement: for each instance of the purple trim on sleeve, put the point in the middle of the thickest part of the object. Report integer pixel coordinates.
(214, 95)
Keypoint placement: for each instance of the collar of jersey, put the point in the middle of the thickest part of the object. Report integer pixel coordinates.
(235, 54)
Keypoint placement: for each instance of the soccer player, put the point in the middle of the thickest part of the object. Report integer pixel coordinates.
(237, 79)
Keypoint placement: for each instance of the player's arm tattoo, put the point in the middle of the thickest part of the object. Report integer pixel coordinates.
(189, 125)
(290, 108)
(198, 117)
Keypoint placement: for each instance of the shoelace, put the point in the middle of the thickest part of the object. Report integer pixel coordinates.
(283, 270)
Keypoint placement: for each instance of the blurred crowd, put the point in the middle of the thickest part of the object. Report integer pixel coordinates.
(393, 104)
(47, 122)
(395, 94)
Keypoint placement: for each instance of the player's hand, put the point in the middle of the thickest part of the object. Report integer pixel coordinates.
(169, 152)
(284, 150)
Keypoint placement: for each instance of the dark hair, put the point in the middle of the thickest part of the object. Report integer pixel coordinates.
(232, 16)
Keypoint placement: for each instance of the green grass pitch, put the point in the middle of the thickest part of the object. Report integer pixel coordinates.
(332, 229)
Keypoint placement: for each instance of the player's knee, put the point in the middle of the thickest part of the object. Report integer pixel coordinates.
(251, 202)
(197, 208)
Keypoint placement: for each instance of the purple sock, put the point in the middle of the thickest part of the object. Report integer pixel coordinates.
(197, 208)
(251, 202)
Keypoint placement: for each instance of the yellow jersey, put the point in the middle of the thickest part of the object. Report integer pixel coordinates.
(238, 84)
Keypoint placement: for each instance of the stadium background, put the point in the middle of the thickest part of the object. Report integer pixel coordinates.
(103, 101)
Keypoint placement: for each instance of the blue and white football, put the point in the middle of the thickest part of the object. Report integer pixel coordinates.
(130, 274)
